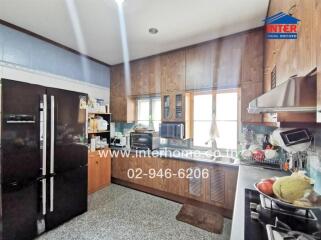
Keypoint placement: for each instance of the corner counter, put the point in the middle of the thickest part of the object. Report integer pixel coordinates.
(248, 175)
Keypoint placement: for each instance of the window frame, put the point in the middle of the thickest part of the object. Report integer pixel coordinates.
(150, 98)
(214, 93)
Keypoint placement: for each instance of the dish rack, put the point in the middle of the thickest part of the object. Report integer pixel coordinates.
(276, 162)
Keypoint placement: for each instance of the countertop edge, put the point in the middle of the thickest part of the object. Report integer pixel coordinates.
(248, 175)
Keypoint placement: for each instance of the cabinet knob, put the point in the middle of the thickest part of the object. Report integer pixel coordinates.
(96, 162)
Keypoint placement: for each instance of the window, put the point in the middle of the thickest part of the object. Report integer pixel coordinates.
(226, 113)
(202, 119)
(149, 112)
(226, 119)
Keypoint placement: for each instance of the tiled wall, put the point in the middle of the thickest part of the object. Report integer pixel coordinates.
(26, 51)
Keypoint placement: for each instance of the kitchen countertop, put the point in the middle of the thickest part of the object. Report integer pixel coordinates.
(174, 154)
(248, 175)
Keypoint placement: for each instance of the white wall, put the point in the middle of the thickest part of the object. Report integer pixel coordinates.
(14, 72)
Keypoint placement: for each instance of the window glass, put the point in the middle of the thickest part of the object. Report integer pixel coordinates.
(226, 106)
(143, 111)
(226, 112)
(156, 113)
(203, 107)
(228, 134)
(149, 111)
(202, 119)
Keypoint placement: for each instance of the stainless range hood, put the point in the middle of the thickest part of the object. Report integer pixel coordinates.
(297, 94)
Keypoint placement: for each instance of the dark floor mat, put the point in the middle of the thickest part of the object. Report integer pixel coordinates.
(201, 218)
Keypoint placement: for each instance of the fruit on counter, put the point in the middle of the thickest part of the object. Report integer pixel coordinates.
(271, 180)
(266, 186)
(291, 188)
(310, 199)
(258, 155)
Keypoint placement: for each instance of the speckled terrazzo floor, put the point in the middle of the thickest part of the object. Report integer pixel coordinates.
(118, 213)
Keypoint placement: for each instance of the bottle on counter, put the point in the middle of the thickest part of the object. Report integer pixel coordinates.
(266, 142)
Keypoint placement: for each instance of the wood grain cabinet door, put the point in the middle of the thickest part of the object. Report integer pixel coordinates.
(249, 92)
(145, 76)
(318, 51)
(167, 103)
(173, 71)
(252, 57)
(93, 173)
(136, 76)
(305, 53)
(231, 175)
(104, 171)
(179, 107)
(200, 67)
(217, 186)
(229, 61)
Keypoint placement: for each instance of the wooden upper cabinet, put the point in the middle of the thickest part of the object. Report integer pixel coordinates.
(173, 71)
(317, 36)
(252, 59)
(250, 91)
(200, 66)
(122, 106)
(145, 76)
(306, 44)
(228, 55)
(117, 81)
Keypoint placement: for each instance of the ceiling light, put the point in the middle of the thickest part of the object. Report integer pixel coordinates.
(153, 30)
(120, 2)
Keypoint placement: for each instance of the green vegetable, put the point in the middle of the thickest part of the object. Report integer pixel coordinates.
(291, 188)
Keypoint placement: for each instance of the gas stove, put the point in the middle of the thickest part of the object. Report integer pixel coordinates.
(264, 220)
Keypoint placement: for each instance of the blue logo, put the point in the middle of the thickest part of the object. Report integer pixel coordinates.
(281, 26)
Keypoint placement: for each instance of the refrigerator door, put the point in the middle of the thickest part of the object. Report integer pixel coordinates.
(70, 197)
(68, 154)
(67, 126)
(20, 134)
(20, 211)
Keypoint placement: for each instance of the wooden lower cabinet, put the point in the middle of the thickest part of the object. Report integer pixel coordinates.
(99, 171)
(217, 189)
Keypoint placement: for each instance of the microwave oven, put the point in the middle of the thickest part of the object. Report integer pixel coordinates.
(144, 140)
(172, 130)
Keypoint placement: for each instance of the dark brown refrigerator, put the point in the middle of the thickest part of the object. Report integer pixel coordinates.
(43, 158)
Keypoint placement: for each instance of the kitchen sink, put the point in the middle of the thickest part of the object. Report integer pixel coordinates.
(229, 160)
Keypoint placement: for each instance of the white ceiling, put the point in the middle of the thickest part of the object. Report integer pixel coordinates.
(180, 23)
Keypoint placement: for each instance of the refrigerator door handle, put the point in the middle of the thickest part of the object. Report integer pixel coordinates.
(52, 134)
(51, 194)
(44, 136)
(44, 193)
(52, 150)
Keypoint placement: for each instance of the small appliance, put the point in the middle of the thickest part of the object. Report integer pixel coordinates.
(144, 140)
(295, 142)
(172, 130)
(118, 140)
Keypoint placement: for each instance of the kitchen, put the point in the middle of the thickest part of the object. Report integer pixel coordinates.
(160, 119)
